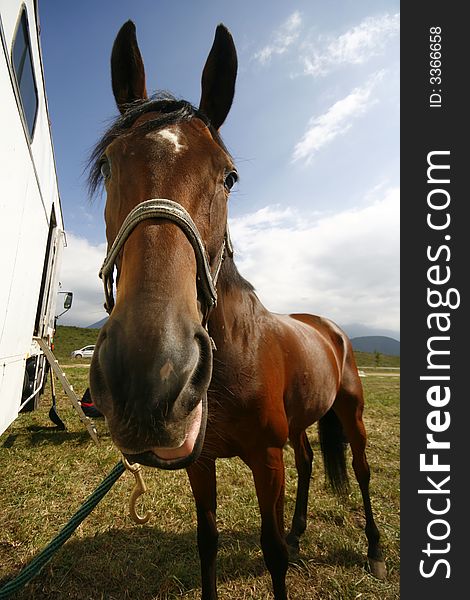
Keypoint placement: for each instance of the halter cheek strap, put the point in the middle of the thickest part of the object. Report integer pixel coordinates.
(161, 208)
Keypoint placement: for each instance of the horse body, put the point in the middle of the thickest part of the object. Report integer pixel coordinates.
(274, 376)
(170, 400)
(283, 371)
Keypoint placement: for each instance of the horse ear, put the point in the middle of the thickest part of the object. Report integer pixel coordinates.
(218, 77)
(127, 68)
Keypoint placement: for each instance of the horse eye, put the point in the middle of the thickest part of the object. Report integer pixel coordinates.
(105, 168)
(230, 180)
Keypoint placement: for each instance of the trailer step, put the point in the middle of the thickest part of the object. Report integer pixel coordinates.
(68, 388)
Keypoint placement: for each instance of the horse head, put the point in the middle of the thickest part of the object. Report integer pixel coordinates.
(167, 176)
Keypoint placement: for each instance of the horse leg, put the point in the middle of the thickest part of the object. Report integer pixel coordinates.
(349, 406)
(203, 484)
(268, 473)
(303, 462)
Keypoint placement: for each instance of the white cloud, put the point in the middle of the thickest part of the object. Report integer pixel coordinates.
(282, 38)
(337, 120)
(80, 265)
(343, 266)
(355, 46)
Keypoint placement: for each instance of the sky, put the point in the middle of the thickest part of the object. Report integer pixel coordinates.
(314, 130)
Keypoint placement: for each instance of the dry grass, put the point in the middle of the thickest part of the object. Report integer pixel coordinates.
(46, 475)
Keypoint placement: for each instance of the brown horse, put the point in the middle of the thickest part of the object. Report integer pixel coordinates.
(190, 366)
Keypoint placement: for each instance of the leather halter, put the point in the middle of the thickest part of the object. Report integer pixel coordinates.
(161, 208)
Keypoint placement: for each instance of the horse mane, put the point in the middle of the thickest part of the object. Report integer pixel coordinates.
(168, 110)
(230, 277)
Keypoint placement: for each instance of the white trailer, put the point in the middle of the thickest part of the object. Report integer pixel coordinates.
(31, 228)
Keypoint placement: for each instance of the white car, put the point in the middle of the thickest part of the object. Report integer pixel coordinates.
(85, 352)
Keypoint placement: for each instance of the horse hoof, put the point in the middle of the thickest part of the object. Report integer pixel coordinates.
(293, 548)
(378, 568)
(293, 554)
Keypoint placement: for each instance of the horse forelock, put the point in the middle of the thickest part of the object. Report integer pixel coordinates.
(168, 110)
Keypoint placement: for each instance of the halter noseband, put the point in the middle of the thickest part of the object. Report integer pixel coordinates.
(161, 208)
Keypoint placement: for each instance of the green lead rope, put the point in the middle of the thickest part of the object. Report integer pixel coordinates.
(45, 555)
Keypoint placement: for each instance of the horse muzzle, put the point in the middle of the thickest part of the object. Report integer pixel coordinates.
(183, 455)
(154, 395)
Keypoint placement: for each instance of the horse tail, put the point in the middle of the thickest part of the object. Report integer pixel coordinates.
(333, 446)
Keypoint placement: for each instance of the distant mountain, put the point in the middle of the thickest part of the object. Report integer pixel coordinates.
(355, 330)
(97, 325)
(377, 343)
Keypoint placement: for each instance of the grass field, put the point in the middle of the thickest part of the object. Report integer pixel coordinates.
(46, 475)
(69, 338)
(368, 359)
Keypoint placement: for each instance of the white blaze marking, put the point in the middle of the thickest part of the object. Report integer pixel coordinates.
(173, 138)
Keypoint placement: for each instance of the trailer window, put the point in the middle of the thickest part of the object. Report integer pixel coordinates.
(23, 66)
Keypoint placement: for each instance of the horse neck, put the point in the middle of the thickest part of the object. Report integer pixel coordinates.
(238, 309)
